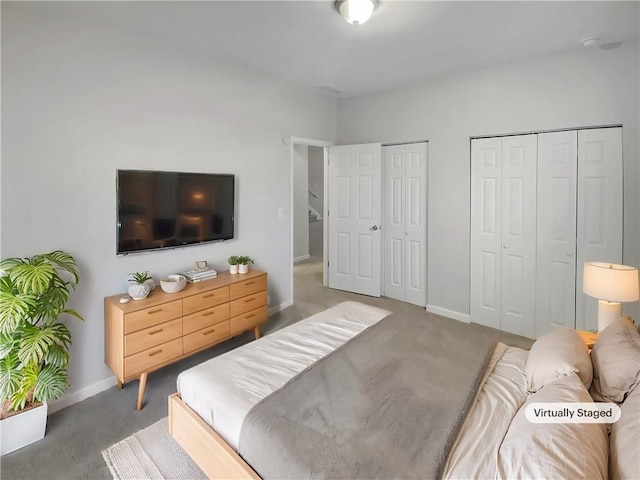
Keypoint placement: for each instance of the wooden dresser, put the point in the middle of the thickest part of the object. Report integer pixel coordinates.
(144, 335)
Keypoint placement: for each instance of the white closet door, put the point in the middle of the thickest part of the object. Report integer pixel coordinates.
(405, 168)
(355, 213)
(599, 210)
(486, 232)
(416, 224)
(394, 231)
(519, 159)
(556, 231)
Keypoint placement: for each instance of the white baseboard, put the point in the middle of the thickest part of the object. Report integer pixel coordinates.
(461, 317)
(102, 385)
(301, 258)
(79, 395)
(278, 308)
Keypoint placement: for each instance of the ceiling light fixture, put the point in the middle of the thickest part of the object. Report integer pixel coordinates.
(356, 12)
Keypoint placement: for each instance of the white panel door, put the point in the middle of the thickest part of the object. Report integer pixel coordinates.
(599, 210)
(486, 231)
(556, 231)
(405, 233)
(355, 211)
(416, 224)
(518, 264)
(395, 198)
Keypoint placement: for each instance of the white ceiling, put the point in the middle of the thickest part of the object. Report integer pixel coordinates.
(404, 42)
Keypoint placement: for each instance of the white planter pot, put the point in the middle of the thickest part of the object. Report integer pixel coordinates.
(243, 268)
(23, 429)
(139, 291)
(233, 269)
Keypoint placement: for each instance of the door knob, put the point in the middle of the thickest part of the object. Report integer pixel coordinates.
(375, 227)
(569, 254)
(505, 246)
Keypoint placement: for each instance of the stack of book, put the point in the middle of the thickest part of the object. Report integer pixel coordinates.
(194, 276)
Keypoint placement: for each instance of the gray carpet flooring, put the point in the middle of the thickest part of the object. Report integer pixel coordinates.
(77, 434)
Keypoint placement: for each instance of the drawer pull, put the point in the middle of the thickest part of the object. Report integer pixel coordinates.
(250, 316)
(208, 332)
(249, 283)
(207, 314)
(249, 300)
(157, 352)
(157, 310)
(209, 295)
(156, 331)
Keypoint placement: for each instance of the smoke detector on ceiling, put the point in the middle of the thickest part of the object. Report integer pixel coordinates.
(587, 42)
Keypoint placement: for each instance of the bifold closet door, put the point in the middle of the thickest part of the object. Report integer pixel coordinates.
(599, 221)
(556, 231)
(405, 226)
(486, 230)
(519, 160)
(503, 232)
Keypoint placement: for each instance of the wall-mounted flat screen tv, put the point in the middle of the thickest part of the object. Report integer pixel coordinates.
(171, 209)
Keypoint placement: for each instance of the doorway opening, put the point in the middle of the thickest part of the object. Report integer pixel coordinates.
(308, 165)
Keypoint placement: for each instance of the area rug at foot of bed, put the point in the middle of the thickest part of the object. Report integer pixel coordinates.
(150, 453)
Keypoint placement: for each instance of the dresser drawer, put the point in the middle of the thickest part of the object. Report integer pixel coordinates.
(205, 318)
(248, 320)
(206, 336)
(148, 359)
(245, 304)
(150, 337)
(204, 300)
(152, 316)
(247, 287)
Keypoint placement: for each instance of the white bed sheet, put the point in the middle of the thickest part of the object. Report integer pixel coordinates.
(223, 390)
(475, 451)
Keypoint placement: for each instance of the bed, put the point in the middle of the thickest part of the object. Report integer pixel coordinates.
(269, 408)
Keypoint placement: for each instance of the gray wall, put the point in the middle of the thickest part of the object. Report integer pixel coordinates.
(79, 102)
(316, 178)
(584, 87)
(300, 202)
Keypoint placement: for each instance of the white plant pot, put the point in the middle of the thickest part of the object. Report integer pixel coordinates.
(139, 291)
(233, 269)
(23, 429)
(243, 268)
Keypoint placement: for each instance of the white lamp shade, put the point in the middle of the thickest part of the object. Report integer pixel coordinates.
(611, 282)
(355, 12)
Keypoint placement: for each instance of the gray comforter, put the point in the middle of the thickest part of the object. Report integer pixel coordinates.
(387, 404)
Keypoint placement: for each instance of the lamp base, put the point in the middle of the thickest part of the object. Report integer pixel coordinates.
(607, 313)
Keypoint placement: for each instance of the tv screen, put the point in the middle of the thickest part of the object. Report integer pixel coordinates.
(171, 209)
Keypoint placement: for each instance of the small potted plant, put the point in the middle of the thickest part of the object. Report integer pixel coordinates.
(139, 288)
(233, 264)
(34, 344)
(243, 264)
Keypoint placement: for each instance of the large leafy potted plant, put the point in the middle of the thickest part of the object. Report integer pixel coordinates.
(34, 345)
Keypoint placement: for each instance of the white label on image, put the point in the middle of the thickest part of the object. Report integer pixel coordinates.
(572, 412)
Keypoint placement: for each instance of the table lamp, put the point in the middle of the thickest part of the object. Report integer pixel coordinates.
(611, 284)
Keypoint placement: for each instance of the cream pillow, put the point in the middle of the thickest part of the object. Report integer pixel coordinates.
(625, 438)
(557, 354)
(616, 361)
(554, 450)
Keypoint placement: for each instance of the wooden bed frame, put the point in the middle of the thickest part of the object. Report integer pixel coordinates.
(216, 458)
